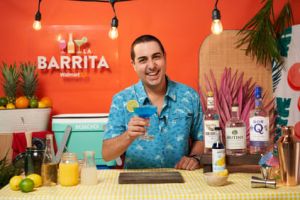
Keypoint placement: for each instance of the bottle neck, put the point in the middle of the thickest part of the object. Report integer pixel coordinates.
(235, 113)
(210, 103)
(49, 150)
(258, 103)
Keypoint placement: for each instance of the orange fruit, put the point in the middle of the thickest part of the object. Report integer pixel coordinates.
(46, 101)
(22, 102)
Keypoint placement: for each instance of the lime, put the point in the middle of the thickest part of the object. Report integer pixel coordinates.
(37, 179)
(14, 182)
(26, 185)
(131, 104)
(3, 101)
(33, 103)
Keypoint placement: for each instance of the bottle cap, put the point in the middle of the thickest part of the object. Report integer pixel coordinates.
(210, 94)
(257, 92)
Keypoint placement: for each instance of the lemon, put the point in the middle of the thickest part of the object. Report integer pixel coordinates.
(37, 179)
(10, 106)
(26, 185)
(223, 173)
(2, 108)
(14, 182)
(41, 105)
(131, 104)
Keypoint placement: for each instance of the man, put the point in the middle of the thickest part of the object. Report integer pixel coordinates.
(178, 120)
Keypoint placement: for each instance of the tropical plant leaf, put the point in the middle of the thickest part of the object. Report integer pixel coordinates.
(260, 35)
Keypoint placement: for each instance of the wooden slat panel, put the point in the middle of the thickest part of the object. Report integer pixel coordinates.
(5, 145)
(150, 177)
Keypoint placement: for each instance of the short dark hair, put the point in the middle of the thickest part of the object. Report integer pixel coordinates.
(145, 38)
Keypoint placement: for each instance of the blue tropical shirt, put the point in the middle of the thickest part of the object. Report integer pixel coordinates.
(179, 120)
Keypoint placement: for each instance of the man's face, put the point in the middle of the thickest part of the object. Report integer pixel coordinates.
(149, 63)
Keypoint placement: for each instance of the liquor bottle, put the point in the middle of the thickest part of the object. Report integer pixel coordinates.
(49, 165)
(218, 153)
(71, 45)
(235, 132)
(211, 120)
(259, 126)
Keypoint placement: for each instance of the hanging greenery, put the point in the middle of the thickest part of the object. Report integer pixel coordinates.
(261, 34)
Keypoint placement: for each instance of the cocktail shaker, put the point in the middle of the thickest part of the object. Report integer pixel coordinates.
(289, 156)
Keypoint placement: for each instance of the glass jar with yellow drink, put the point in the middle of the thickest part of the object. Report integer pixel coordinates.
(68, 174)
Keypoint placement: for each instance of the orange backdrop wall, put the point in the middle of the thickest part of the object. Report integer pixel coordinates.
(182, 26)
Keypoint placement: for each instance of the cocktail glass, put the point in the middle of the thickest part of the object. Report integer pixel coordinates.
(146, 112)
(79, 43)
(62, 45)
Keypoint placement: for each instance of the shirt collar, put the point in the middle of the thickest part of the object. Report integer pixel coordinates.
(142, 95)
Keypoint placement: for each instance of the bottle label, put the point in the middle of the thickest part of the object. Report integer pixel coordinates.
(235, 138)
(218, 160)
(259, 129)
(210, 135)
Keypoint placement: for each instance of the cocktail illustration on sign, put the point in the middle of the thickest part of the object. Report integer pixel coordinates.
(146, 112)
(79, 43)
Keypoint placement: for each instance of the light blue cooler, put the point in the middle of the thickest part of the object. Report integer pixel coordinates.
(86, 135)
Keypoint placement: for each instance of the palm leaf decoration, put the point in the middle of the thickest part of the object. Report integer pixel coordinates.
(261, 33)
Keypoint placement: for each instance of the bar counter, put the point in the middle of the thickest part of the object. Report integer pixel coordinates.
(195, 187)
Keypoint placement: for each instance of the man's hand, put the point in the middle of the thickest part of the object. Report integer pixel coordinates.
(188, 163)
(136, 127)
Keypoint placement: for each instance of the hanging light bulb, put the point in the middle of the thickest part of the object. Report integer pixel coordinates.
(37, 25)
(216, 26)
(113, 32)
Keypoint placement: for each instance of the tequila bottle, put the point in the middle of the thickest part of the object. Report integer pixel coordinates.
(211, 120)
(259, 126)
(235, 132)
(218, 153)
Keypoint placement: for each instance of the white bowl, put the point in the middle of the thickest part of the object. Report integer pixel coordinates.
(214, 180)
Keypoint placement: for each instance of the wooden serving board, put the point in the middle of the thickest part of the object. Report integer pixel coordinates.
(247, 163)
(150, 177)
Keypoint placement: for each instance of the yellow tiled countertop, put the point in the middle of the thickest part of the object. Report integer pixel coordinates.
(195, 187)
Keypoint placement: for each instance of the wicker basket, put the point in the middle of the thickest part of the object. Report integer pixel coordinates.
(20, 120)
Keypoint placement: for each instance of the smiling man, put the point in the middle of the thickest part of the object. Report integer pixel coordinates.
(176, 127)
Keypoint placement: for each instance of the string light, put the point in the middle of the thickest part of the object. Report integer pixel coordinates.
(216, 26)
(37, 25)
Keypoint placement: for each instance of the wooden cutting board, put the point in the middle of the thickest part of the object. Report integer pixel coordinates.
(150, 177)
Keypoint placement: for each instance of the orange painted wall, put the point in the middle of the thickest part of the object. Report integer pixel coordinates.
(182, 26)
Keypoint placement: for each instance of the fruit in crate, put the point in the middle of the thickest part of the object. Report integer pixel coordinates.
(3, 101)
(22, 102)
(46, 101)
(10, 81)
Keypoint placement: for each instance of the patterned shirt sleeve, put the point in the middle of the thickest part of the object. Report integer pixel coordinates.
(197, 133)
(116, 120)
